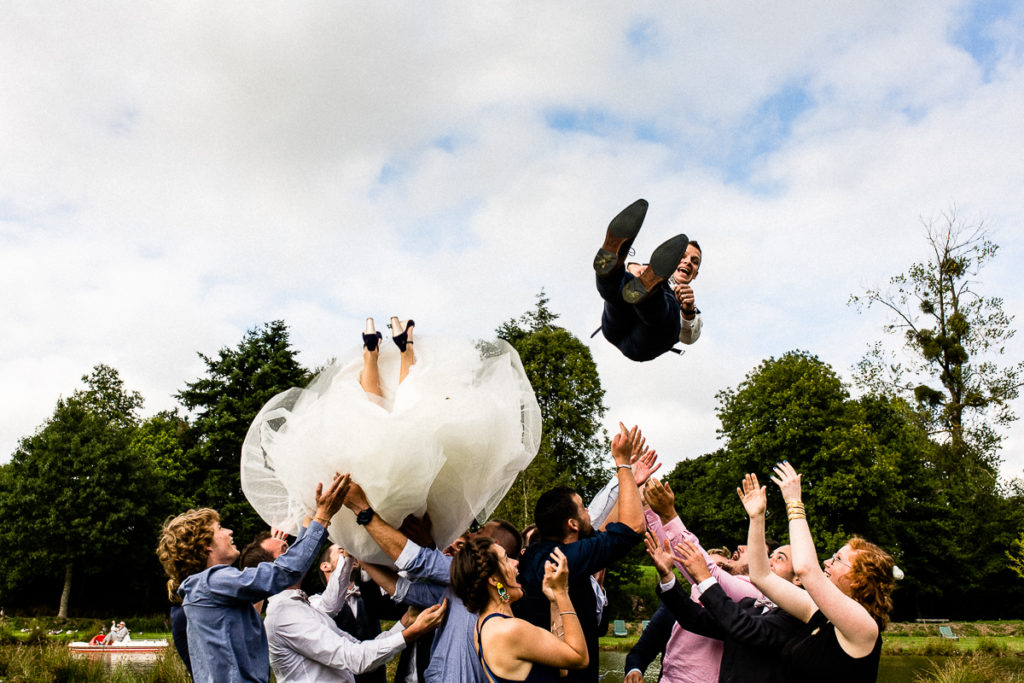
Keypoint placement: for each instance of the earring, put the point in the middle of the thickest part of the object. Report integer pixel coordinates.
(502, 593)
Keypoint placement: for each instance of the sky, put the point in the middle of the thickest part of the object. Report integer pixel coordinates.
(174, 174)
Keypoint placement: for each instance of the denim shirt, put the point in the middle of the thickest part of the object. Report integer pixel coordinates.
(453, 654)
(226, 640)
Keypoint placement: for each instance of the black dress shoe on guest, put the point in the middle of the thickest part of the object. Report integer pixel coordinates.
(371, 338)
(663, 263)
(619, 238)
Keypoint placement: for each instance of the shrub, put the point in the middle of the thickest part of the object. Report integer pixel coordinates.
(974, 669)
(992, 646)
(940, 647)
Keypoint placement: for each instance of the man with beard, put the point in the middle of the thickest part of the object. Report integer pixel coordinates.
(563, 522)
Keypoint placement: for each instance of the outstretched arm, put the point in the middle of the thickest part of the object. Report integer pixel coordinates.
(855, 627)
(781, 592)
(384, 577)
(391, 540)
(665, 524)
(528, 643)
(604, 508)
(631, 512)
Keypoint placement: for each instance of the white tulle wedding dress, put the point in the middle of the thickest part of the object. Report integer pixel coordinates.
(449, 440)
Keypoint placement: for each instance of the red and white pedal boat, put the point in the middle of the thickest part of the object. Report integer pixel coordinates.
(125, 647)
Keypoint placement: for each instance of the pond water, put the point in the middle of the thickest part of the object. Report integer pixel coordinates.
(893, 669)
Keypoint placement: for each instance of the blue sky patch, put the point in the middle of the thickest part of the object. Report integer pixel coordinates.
(975, 34)
(765, 130)
(642, 37)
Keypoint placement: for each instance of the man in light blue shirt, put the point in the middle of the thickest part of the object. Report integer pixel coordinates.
(226, 639)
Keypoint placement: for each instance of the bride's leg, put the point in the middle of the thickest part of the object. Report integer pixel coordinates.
(369, 378)
(404, 342)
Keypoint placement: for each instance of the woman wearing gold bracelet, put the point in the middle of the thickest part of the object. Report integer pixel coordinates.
(512, 649)
(845, 605)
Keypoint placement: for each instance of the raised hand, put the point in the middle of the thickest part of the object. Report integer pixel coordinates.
(622, 444)
(684, 295)
(787, 480)
(356, 499)
(660, 556)
(693, 559)
(281, 537)
(427, 620)
(753, 497)
(661, 499)
(556, 575)
(330, 501)
(644, 462)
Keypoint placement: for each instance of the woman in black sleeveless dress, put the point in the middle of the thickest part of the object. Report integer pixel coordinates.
(512, 649)
(845, 605)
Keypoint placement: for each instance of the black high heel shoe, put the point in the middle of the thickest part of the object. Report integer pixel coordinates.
(402, 339)
(371, 338)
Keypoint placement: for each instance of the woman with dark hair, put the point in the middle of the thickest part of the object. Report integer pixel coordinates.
(511, 649)
(845, 605)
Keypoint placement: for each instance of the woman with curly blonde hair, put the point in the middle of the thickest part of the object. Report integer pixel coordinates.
(226, 639)
(845, 604)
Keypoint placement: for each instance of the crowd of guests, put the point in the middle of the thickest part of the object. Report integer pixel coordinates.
(493, 607)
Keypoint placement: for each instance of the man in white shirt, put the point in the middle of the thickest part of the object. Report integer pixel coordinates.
(649, 308)
(306, 646)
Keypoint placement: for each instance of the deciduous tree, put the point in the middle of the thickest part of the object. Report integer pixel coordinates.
(565, 379)
(75, 500)
(238, 382)
(954, 369)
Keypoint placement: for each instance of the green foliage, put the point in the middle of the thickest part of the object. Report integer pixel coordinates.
(162, 439)
(54, 663)
(568, 389)
(939, 647)
(954, 371)
(793, 408)
(992, 646)
(1016, 556)
(237, 383)
(868, 468)
(977, 668)
(630, 585)
(75, 500)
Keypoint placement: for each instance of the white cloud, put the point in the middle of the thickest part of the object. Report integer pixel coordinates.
(172, 176)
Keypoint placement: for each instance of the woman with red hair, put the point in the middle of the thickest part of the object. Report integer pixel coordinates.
(845, 604)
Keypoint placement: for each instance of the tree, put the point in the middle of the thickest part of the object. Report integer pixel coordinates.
(954, 372)
(565, 379)
(74, 499)
(163, 439)
(1016, 556)
(794, 408)
(955, 338)
(225, 402)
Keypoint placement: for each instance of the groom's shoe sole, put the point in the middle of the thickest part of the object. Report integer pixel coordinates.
(663, 263)
(619, 238)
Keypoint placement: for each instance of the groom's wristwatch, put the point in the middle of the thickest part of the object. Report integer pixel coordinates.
(364, 517)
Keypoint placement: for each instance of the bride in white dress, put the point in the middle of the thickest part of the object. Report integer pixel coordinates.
(436, 425)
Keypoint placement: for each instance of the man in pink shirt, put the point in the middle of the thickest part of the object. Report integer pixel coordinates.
(690, 658)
